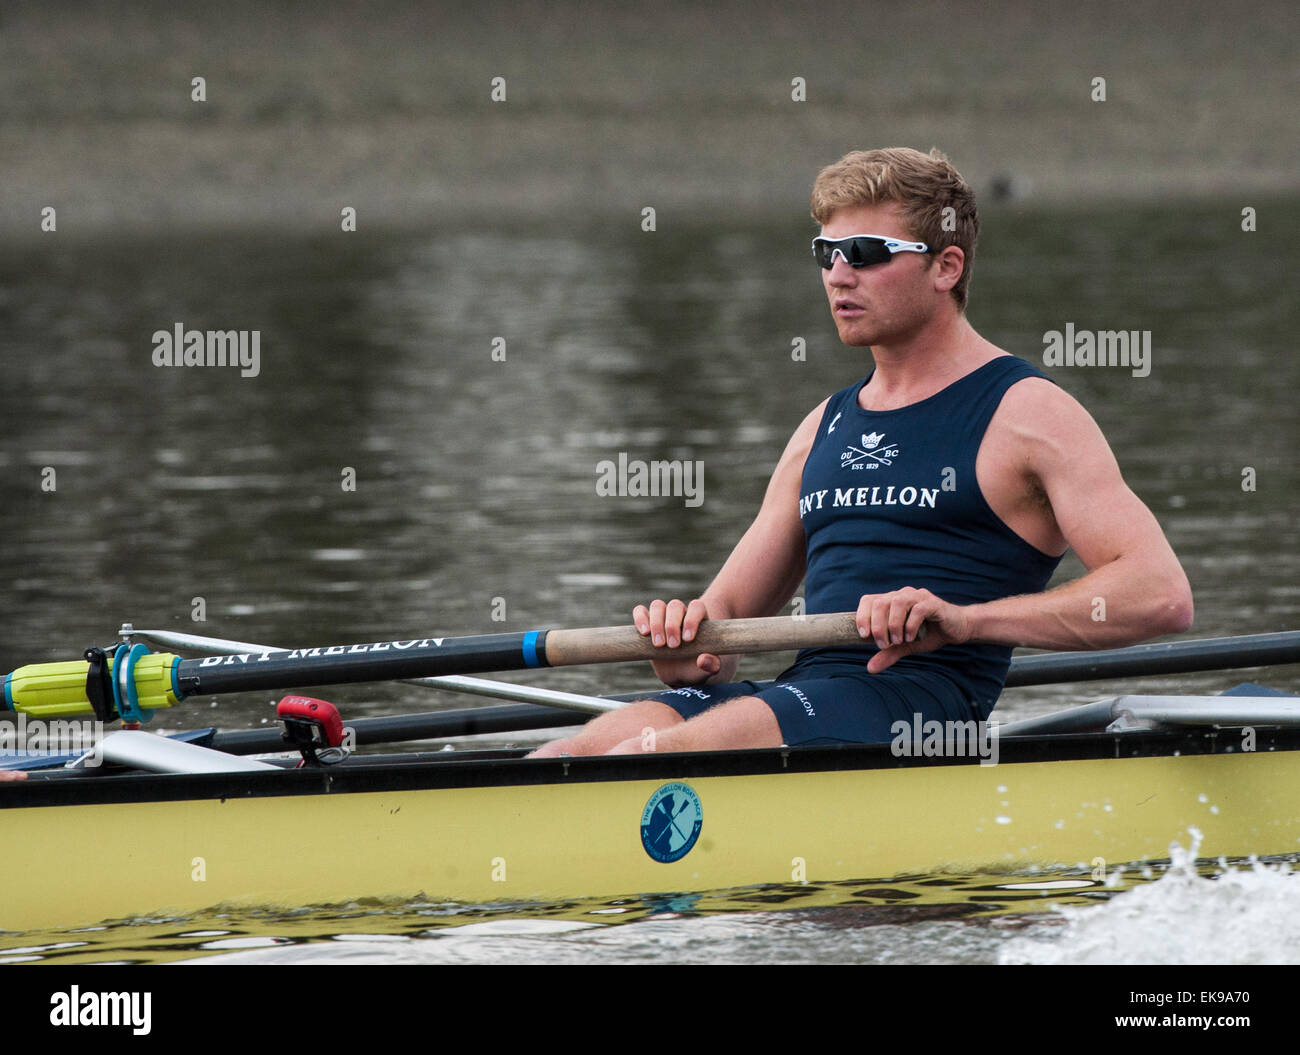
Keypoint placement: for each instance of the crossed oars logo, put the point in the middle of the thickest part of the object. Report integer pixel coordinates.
(869, 442)
(668, 823)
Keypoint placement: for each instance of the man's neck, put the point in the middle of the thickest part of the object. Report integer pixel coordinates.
(912, 370)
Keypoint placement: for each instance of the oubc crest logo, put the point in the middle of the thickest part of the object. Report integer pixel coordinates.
(873, 453)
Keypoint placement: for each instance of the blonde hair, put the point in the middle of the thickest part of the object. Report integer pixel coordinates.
(924, 186)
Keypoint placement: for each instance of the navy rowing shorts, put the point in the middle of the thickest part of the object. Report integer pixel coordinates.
(836, 703)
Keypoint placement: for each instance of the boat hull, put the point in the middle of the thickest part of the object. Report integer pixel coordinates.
(487, 830)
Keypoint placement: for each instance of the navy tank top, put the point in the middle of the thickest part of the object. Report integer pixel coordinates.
(889, 499)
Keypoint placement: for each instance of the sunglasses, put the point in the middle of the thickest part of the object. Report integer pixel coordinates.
(862, 250)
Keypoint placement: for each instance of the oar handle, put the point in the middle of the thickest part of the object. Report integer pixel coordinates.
(620, 644)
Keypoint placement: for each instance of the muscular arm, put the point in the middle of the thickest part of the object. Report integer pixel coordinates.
(1135, 588)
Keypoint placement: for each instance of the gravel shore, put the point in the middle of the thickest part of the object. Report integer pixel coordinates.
(610, 109)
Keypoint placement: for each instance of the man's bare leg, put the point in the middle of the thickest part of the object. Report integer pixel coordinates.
(614, 727)
(743, 722)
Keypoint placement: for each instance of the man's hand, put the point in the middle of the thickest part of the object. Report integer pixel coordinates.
(907, 621)
(670, 624)
(12, 774)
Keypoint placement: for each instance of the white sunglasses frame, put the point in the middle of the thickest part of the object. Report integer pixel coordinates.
(894, 245)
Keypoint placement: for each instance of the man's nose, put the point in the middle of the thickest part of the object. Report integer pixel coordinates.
(841, 273)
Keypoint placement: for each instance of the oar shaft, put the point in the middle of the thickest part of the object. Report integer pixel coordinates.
(1165, 657)
(501, 690)
(342, 664)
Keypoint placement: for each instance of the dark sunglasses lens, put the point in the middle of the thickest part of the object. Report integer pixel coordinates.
(863, 252)
(859, 252)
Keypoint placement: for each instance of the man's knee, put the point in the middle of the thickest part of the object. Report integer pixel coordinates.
(640, 718)
(742, 722)
(553, 749)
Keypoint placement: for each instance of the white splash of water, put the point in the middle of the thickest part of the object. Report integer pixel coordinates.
(1241, 916)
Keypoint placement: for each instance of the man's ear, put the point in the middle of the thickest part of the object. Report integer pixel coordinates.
(948, 265)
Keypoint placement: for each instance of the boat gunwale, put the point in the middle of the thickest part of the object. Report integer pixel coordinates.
(431, 771)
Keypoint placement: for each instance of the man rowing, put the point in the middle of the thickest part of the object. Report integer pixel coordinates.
(936, 498)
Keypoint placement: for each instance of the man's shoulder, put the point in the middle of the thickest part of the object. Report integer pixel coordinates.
(1036, 396)
(1044, 422)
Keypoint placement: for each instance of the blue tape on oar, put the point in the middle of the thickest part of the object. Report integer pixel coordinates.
(530, 649)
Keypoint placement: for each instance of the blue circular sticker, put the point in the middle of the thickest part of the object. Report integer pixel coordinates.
(671, 822)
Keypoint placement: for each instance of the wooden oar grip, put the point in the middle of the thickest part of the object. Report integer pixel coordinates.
(620, 644)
